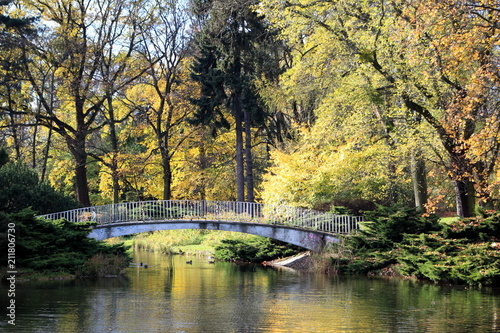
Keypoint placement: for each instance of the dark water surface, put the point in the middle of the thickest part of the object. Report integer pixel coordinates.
(173, 296)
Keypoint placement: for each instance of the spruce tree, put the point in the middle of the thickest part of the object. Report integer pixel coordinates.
(235, 49)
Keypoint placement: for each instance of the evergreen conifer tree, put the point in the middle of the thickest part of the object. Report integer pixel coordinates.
(235, 49)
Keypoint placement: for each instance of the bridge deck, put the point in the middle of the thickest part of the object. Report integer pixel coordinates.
(188, 210)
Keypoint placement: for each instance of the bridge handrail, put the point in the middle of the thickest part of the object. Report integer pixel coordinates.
(211, 210)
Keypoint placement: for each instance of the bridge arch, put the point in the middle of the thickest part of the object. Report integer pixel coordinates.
(308, 239)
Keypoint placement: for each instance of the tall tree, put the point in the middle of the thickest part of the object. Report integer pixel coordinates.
(81, 33)
(165, 49)
(235, 50)
(12, 99)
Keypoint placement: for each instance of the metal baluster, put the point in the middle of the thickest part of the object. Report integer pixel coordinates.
(135, 210)
(140, 206)
(131, 209)
(120, 212)
(169, 209)
(126, 211)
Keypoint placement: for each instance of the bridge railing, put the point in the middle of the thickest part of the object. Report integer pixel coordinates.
(211, 210)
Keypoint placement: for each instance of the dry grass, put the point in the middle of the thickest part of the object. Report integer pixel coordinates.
(328, 260)
(101, 265)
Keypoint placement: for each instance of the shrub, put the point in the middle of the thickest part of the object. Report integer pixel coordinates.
(389, 224)
(20, 188)
(257, 249)
(437, 258)
(236, 250)
(462, 252)
(45, 245)
(475, 229)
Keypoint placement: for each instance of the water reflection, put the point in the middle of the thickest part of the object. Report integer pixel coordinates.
(172, 296)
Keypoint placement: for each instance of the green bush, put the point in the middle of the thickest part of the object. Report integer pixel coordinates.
(463, 252)
(257, 249)
(20, 188)
(387, 225)
(437, 258)
(235, 250)
(45, 245)
(485, 228)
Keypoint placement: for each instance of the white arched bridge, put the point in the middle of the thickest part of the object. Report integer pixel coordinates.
(307, 228)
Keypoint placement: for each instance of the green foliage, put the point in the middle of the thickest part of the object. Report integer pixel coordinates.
(20, 188)
(257, 249)
(475, 229)
(462, 252)
(437, 258)
(389, 224)
(235, 250)
(340, 210)
(45, 245)
(4, 157)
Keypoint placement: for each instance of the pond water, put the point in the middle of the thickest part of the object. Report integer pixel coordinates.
(174, 296)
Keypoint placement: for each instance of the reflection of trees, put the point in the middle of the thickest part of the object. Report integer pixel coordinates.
(227, 298)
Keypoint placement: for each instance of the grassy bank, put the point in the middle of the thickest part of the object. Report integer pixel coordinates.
(185, 241)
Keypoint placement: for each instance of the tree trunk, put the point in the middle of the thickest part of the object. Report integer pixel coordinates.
(50, 127)
(240, 176)
(248, 157)
(46, 154)
(81, 184)
(167, 177)
(77, 145)
(202, 162)
(237, 110)
(116, 181)
(465, 198)
(419, 179)
(13, 126)
(34, 147)
(115, 175)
